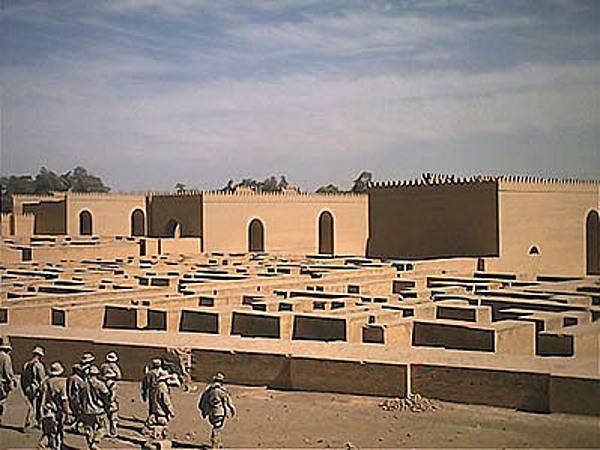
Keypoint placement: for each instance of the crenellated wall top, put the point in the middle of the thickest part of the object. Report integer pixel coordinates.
(431, 179)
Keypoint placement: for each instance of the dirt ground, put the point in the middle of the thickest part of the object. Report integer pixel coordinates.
(274, 419)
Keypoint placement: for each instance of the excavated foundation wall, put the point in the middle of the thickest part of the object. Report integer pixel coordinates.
(536, 392)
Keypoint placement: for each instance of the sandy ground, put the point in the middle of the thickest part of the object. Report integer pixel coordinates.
(274, 419)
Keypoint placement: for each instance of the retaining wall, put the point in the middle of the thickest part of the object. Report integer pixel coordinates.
(529, 391)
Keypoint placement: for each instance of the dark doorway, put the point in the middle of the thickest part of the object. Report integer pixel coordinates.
(326, 233)
(256, 236)
(173, 229)
(137, 223)
(85, 223)
(592, 243)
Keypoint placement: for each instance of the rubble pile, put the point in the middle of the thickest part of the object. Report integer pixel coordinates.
(412, 403)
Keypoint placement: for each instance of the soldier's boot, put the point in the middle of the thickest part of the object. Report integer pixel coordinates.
(215, 438)
(53, 442)
(112, 426)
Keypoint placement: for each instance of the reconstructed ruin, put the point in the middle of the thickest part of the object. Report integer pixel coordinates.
(478, 290)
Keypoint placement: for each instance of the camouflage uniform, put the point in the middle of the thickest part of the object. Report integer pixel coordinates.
(54, 407)
(156, 391)
(96, 399)
(112, 405)
(215, 403)
(8, 380)
(32, 376)
(76, 391)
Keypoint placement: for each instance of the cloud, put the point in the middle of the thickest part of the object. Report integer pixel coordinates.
(238, 89)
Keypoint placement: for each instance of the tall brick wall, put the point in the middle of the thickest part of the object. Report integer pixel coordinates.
(430, 221)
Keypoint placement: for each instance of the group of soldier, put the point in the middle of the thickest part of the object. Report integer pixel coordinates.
(86, 401)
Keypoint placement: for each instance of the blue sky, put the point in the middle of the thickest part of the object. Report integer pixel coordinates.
(148, 93)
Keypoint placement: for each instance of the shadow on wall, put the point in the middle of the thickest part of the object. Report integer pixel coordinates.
(536, 392)
(433, 221)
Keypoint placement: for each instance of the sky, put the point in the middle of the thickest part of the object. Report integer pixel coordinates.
(150, 93)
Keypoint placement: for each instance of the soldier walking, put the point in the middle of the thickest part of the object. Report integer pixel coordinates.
(156, 391)
(112, 405)
(76, 392)
(149, 383)
(215, 403)
(95, 404)
(111, 373)
(54, 407)
(8, 380)
(32, 376)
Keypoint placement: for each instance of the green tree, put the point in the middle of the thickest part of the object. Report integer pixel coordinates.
(15, 184)
(47, 181)
(328, 189)
(249, 182)
(362, 182)
(283, 183)
(79, 180)
(229, 187)
(270, 184)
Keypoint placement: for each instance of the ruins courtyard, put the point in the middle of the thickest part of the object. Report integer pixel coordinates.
(308, 305)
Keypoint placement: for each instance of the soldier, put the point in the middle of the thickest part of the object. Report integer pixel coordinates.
(183, 366)
(96, 399)
(112, 362)
(54, 407)
(149, 383)
(76, 392)
(215, 403)
(156, 391)
(32, 376)
(112, 406)
(8, 380)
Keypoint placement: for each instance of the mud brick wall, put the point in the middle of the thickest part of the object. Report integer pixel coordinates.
(346, 377)
(575, 395)
(520, 390)
(433, 221)
(246, 368)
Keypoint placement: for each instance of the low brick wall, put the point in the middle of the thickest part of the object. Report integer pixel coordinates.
(536, 392)
(520, 390)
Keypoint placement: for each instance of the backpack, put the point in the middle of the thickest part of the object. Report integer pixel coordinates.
(28, 377)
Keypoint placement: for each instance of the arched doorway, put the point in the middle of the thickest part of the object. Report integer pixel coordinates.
(256, 236)
(85, 223)
(592, 243)
(137, 223)
(173, 229)
(326, 233)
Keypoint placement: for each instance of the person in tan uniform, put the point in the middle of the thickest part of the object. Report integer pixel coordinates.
(96, 399)
(55, 407)
(32, 376)
(215, 404)
(76, 391)
(8, 381)
(111, 407)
